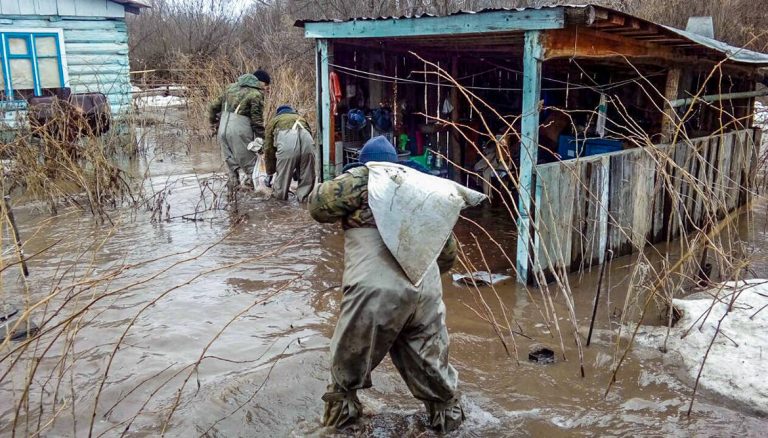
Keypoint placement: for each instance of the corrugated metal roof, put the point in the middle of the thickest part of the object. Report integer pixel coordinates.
(735, 54)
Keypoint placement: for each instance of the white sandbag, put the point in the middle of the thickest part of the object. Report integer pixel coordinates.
(415, 213)
(260, 176)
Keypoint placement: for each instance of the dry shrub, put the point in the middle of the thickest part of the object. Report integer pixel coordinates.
(56, 163)
(292, 84)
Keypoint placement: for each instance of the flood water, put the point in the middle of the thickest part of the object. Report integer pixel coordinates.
(252, 299)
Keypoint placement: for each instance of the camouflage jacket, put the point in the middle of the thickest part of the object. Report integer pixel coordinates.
(278, 123)
(246, 96)
(345, 198)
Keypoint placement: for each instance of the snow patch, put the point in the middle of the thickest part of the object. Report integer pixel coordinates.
(736, 363)
(168, 96)
(159, 102)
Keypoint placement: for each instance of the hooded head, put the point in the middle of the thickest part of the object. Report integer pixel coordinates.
(285, 109)
(262, 76)
(378, 149)
(250, 81)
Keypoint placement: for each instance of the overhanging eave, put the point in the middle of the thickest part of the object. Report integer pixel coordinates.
(498, 21)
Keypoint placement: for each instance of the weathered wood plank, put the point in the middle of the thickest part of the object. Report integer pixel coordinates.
(659, 157)
(719, 179)
(11, 7)
(115, 10)
(555, 205)
(595, 224)
(746, 154)
(725, 173)
(602, 209)
(613, 200)
(629, 204)
(700, 186)
(709, 207)
(90, 8)
(734, 173)
(66, 7)
(692, 169)
(45, 7)
(676, 196)
(568, 188)
(616, 201)
(545, 207)
(577, 219)
(643, 196)
(499, 21)
(589, 43)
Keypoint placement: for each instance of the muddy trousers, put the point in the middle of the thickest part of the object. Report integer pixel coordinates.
(295, 156)
(382, 312)
(234, 134)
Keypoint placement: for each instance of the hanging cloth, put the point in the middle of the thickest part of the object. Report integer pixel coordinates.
(335, 88)
(447, 107)
(602, 109)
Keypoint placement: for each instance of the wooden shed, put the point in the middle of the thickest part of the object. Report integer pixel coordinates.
(47, 45)
(592, 184)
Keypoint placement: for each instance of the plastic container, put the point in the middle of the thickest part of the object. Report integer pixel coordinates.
(569, 148)
(421, 159)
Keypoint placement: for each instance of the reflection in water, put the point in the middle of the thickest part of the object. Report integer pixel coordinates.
(263, 372)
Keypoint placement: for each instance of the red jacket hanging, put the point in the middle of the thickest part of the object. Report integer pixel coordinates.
(335, 88)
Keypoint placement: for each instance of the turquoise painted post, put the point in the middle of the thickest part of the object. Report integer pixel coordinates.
(324, 50)
(532, 54)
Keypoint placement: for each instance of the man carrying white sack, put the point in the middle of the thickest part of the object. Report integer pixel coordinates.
(398, 225)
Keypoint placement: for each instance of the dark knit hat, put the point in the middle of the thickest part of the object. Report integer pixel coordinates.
(262, 76)
(378, 149)
(283, 109)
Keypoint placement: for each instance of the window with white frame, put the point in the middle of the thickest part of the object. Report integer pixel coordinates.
(32, 63)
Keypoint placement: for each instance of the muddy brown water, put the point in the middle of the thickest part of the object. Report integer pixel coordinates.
(263, 375)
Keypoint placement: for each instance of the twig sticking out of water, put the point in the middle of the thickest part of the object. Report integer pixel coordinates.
(597, 299)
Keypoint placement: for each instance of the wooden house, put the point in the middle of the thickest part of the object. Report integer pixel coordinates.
(649, 101)
(49, 45)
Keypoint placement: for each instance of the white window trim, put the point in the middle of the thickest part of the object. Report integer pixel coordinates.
(62, 50)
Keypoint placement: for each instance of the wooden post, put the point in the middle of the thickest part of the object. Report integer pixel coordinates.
(325, 50)
(15, 230)
(455, 146)
(670, 119)
(529, 145)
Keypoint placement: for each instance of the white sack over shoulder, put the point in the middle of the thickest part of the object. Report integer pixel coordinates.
(415, 213)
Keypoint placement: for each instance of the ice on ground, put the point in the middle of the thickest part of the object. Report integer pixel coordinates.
(168, 96)
(480, 278)
(736, 364)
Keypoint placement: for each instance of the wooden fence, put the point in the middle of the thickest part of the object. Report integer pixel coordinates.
(624, 200)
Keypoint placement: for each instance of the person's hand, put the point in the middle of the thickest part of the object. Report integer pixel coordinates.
(214, 130)
(268, 181)
(256, 145)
